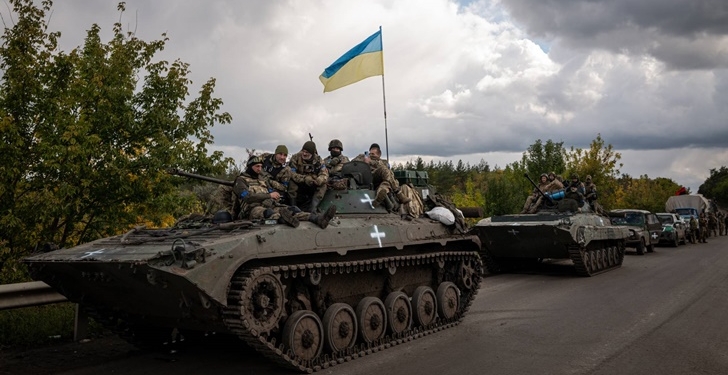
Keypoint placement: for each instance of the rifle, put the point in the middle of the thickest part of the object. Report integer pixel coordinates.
(310, 137)
(175, 171)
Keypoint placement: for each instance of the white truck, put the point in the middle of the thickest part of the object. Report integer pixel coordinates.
(688, 205)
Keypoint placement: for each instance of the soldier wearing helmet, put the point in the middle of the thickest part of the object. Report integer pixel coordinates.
(533, 202)
(575, 190)
(554, 183)
(335, 161)
(261, 202)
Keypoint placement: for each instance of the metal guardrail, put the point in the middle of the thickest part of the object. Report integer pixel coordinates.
(37, 293)
(34, 293)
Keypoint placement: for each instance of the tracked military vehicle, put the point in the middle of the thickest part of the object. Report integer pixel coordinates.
(305, 297)
(559, 230)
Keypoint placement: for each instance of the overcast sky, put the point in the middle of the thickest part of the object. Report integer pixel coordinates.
(466, 80)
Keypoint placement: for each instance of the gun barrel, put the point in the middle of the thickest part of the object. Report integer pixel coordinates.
(536, 187)
(201, 177)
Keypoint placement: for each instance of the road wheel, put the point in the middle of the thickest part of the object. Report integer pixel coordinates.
(641, 247)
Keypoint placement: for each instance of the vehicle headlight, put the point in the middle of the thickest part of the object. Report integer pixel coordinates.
(632, 233)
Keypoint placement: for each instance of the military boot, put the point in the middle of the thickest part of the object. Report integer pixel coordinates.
(403, 199)
(390, 203)
(322, 220)
(288, 218)
(379, 199)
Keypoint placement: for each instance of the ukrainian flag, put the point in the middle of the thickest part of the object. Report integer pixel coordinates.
(364, 60)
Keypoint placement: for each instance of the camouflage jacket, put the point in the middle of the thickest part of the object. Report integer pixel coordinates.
(335, 164)
(253, 192)
(543, 187)
(553, 186)
(309, 172)
(591, 191)
(278, 174)
(373, 163)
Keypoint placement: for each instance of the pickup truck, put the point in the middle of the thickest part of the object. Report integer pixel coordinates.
(644, 228)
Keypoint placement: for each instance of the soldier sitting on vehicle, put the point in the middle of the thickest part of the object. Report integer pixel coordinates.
(334, 163)
(278, 172)
(309, 176)
(384, 181)
(260, 201)
(533, 202)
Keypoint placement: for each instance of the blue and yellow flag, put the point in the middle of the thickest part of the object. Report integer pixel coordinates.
(364, 60)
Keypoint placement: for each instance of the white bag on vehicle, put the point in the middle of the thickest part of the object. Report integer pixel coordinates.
(442, 215)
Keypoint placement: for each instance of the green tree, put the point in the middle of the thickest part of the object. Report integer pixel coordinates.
(647, 194)
(602, 163)
(87, 135)
(716, 186)
(504, 194)
(544, 158)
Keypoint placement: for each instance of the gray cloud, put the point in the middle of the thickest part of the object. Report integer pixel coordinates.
(462, 82)
(685, 34)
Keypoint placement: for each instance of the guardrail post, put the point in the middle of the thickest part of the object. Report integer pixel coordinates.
(80, 324)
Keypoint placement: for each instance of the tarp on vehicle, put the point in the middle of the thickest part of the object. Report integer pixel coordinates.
(696, 201)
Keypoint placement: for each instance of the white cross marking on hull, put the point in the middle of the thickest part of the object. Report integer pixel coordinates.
(378, 235)
(513, 232)
(368, 200)
(90, 253)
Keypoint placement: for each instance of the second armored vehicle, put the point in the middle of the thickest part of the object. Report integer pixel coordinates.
(559, 230)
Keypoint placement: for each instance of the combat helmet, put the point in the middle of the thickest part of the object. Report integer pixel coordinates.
(336, 143)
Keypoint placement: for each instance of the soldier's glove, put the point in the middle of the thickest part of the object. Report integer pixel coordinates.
(334, 161)
(309, 180)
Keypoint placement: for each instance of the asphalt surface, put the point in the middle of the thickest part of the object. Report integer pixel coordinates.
(661, 313)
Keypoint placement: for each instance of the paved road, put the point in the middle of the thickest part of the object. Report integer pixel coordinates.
(662, 313)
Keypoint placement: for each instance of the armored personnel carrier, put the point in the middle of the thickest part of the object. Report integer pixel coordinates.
(305, 297)
(559, 230)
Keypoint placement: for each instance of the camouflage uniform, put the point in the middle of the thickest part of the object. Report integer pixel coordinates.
(533, 202)
(257, 203)
(278, 174)
(578, 193)
(308, 178)
(382, 177)
(590, 190)
(255, 193)
(694, 229)
(703, 222)
(725, 219)
(335, 163)
(712, 225)
(554, 186)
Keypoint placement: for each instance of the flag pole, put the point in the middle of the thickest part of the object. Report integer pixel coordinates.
(384, 100)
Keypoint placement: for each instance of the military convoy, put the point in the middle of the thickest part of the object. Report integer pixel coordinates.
(307, 298)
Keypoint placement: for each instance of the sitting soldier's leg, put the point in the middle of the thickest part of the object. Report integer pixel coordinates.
(382, 190)
(292, 193)
(287, 216)
(527, 205)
